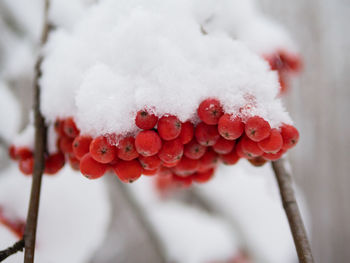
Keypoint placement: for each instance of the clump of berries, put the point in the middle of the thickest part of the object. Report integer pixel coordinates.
(178, 152)
(286, 64)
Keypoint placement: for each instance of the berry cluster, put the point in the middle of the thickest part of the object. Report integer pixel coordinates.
(179, 152)
(285, 63)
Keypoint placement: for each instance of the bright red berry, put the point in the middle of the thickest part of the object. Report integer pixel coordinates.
(22, 153)
(290, 136)
(194, 150)
(150, 162)
(240, 152)
(126, 149)
(74, 162)
(170, 165)
(230, 128)
(69, 128)
(148, 143)
(128, 171)
(257, 129)
(206, 135)
(26, 165)
(274, 156)
(66, 144)
(12, 152)
(145, 120)
(169, 127)
(54, 163)
(203, 177)
(90, 168)
(210, 111)
(230, 158)
(223, 146)
(81, 146)
(186, 166)
(150, 172)
(208, 161)
(101, 150)
(171, 151)
(257, 161)
(187, 132)
(273, 143)
(250, 148)
(58, 126)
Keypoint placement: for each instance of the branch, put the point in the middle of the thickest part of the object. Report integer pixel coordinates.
(39, 155)
(291, 208)
(18, 246)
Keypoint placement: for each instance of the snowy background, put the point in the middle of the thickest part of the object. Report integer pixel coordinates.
(242, 210)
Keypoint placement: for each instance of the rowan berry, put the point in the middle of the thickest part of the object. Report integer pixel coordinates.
(69, 128)
(126, 149)
(206, 135)
(128, 171)
(81, 145)
(273, 143)
(101, 150)
(187, 132)
(194, 150)
(257, 129)
(209, 111)
(145, 120)
(150, 162)
(223, 146)
(203, 177)
(90, 168)
(171, 151)
(169, 127)
(54, 163)
(290, 136)
(229, 127)
(148, 143)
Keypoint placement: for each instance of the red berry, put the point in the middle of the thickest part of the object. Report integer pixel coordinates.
(240, 152)
(250, 148)
(257, 129)
(69, 128)
(90, 168)
(66, 144)
(206, 135)
(74, 162)
(150, 172)
(171, 151)
(208, 161)
(187, 132)
(169, 165)
(58, 126)
(181, 181)
(81, 145)
(148, 143)
(186, 166)
(22, 153)
(203, 177)
(150, 162)
(26, 165)
(12, 152)
(273, 143)
(145, 120)
(257, 161)
(223, 146)
(194, 150)
(126, 149)
(274, 156)
(54, 163)
(169, 127)
(230, 128)
(128, 171)
(101, 150)
(230, 158)
(164, 182)
(290, 136)
(210, 111)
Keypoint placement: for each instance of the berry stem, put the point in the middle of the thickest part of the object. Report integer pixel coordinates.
(18, 246)
(39, 154)
(290, 205)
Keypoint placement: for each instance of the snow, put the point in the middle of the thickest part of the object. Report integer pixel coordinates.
(125, 55)
(74, 214)
(255, 205)
(188, 234)
(9, 123)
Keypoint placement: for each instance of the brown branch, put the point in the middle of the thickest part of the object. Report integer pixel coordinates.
(291, 208)
(39, 155)
(18, 246)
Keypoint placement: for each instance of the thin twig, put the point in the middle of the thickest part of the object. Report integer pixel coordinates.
(39, 155)
(18, 246)
(291, 208)
(143, 220)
